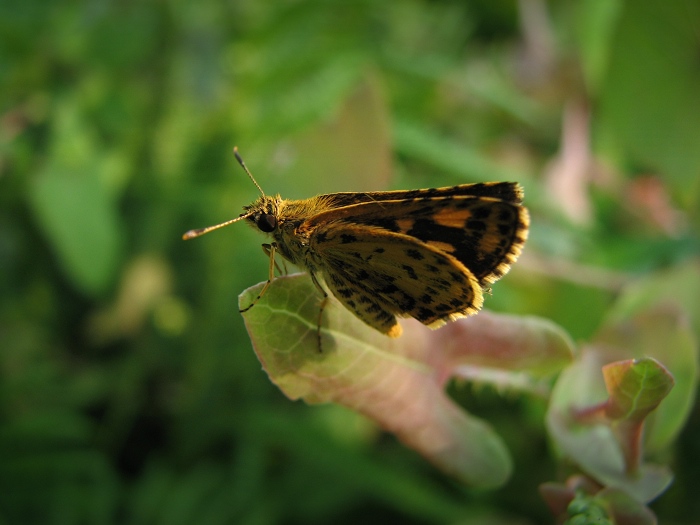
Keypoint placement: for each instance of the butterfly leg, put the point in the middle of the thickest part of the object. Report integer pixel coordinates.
(269, 249)
(322, 306)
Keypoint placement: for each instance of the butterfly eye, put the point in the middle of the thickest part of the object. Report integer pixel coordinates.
(266, 222)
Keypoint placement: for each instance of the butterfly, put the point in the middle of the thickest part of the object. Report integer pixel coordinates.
(428, 254)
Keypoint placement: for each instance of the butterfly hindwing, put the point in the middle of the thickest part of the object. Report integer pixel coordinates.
(375, 273)
(362, 301)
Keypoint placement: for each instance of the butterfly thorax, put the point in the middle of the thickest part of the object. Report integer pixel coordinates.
(282, 219)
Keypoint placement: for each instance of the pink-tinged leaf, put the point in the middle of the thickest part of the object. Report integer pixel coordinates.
(596, 447)
(650, 325)
(661, 332)
(399, 383)
(636, 387)
(597, 452)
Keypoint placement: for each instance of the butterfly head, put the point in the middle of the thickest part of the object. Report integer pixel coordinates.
(263, 214)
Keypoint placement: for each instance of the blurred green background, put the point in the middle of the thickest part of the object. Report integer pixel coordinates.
(129, 392)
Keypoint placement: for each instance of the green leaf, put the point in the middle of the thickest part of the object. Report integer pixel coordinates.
(595, 448)
(356, 145)
(677, 287)
(636, 387)
(596, 21)
(399, 383)
(654, 57)
(648, 336)
(74, 208)
(662, 333)
(610, 451)
(420, 142)
(79, 221)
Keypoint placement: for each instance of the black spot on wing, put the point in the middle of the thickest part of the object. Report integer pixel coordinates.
(476, 225)
(505, 229)
(388, 289)
(424, 314)
(415, 254)
(481, 213)
(456, 302)
(426, 299)
(373, 309)
(380, 222)
(410, 271)
(344, 292)
(407, 302)
(458, 277)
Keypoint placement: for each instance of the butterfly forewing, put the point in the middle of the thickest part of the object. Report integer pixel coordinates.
(506, 191)
(484, 233)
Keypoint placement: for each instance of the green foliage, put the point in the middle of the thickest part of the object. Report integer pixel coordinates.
(129, 390)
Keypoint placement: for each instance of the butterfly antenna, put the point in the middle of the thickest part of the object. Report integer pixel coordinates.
(242, 163)
(201, 231)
